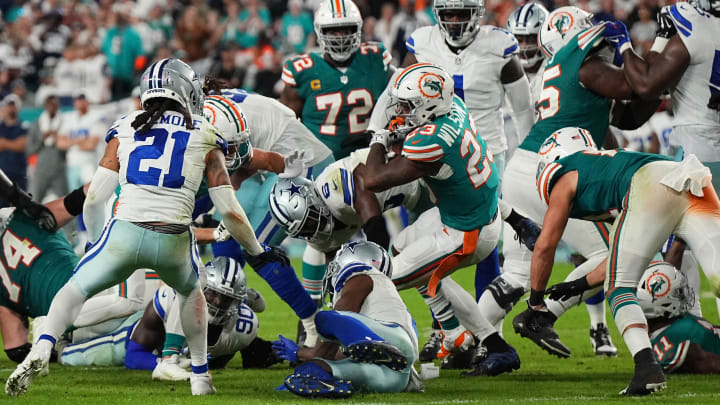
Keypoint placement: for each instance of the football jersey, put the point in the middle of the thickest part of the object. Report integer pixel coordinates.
(34, 265)
(237, 331)
(700, 33)
(161, 170)
(671, 343)
(336, 187)
(465, 187)
(267, 120)
(476, 72)
(338, 102)
(76, 126)
(603, 179)
(384, 304)
(564, 101)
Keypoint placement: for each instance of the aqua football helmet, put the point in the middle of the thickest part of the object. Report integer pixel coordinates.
(355, 257)
(664, 292)
(174, 79)
(296, 206)
(334, 15)
(421, 93)
(525, 23)
(228, 118)
(225, 289)
(562, 25)
(459, 20)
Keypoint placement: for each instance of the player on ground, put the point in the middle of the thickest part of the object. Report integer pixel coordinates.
(656, 197)
(444, 150)
(153, 213)
(369, 320)
(333, 92)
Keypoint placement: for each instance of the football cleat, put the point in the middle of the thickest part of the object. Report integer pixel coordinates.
(496, 364)
(201, 384)
(38, 323)
(20, 379)
(170, 369)
(376, 352)
(415, 383)
(538, 327)
(454, 342)
(430, 351)
(307, 385)
(601, 342)
(648, 378)
(465, 359)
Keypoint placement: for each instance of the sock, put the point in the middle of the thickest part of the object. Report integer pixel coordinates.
(346, 329)
(495, 344)
(596, 312)
(173, 344)
(627, 312)
(435, 323)
(137, 357)
(465, 308)
(636, 340)
(193, 316)
(284, 281)
(312, 279)
(485, 272)
(311, 334)
(441, 308)
(64, 308)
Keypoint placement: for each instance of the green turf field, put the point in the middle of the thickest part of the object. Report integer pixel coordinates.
(542, 379)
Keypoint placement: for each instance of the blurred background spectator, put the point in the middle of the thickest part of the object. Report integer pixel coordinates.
(42, 142)
(13, 138)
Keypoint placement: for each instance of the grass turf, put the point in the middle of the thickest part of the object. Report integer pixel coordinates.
(542, 379)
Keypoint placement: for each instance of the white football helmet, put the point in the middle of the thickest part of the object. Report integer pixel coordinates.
(225, 289)
(526, 22)
(174, 79)
(355, 257)
(561, 26)
(296, 206)
(338, 14)
(468, 12)
(664, 292)
(421, 93)
(711, 6)
(228, 118)
(564, 142)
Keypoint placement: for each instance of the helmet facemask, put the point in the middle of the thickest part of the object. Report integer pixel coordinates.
(239, 152)
(339, 41)
(529, 51)
(459, 25)
(407, 115)
(220, 306)
(317, 225)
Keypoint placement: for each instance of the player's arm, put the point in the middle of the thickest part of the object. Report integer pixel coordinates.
(223, 197)
(554, 224)
(22, 200)
(376, 175)
(291, 98)
(266, 160)
(14, 329)
(409, 59)
(149, 334)
(354, 293)
(102, 186)
(651, 80)
(67, 208)
(517, 88)
(604, 79)
(633, 115)
(368, 206)
(700, 361)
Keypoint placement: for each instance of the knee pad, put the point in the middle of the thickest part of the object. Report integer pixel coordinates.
(505, 293)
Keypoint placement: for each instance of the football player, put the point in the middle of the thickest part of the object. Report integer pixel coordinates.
(369, 339)
(656, 197)
(333, 92)
(445, 150)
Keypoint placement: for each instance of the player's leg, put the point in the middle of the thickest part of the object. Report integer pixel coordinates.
(104, 350)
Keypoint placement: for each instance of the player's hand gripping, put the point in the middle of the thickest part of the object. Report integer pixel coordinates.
(271, 255)
(40, 213)
(285, 348)
(567, 290)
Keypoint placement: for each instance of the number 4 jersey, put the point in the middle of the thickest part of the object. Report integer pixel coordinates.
(338, 102)
(161, 170)
(672, 342)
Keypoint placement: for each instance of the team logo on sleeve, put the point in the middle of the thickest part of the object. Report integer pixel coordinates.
(562, 22)
(431, 85)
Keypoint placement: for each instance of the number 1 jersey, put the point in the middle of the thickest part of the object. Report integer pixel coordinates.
(161, 170)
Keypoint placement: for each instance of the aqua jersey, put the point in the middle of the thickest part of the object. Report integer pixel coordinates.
(336, 103)
(671, 344)
(564, 102)
(603, 179)
(34, 265)
(465, 187)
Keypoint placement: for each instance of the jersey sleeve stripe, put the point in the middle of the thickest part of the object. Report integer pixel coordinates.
(410, 45)
(683, 24)
(348, 271)
(287, 77)
(543, 181)
(590, 35)
(112, 132)
(420, 149)
(680, 356)
(347, 198)
(424, 157)
(158, 306)
(510, 50)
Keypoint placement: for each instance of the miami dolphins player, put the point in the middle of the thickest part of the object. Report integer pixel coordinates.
(369, 321)
(655, 197)
(444, 150)
(681, 342)
(333, 92)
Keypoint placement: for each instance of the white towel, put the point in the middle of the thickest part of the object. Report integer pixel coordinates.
(689, 176)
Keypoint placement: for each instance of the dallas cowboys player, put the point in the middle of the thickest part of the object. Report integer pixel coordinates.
(153, 213)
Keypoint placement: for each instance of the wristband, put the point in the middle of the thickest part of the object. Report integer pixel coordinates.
(624, 47)
(582, 283)
(74, 201)
(659, 44)
(536, 298)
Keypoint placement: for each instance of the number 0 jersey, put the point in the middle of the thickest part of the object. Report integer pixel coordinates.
(563, 101)
(161, 170)
(465, 187)
(671, 343)
(700, 33)
(338, 102)
(476, 72)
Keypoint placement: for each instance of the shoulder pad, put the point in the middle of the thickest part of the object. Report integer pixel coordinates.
(294, 67)
(591, 37)
(544, 179)
(419, 37)
(112, 132)
(502, 42)
(682, 15)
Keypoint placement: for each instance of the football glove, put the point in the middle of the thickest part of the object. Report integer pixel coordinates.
(566, 290)
(666, 26)
(617, 34)
(285, 348)
(221, 234)
(271, 255)
(294, 165)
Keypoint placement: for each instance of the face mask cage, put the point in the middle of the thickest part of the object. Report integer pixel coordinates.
(529, 51)
(404, 114)
(340, 46)
(458, 24)
(317, 225)
(238, 154)
(220, 306)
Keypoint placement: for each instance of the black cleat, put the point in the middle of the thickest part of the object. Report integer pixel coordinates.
(463, 360)
(380, 353)
(430, 351)
(538, 327)
(601, 342)
(496, 363)
(648, 378)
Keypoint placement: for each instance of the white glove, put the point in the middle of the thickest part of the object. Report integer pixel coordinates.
(221, 234)
(294, 165)
(381, 137)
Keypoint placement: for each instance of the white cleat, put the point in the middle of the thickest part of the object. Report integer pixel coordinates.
(34, 364)
(170, 369)
(201, 384)
(456, 340)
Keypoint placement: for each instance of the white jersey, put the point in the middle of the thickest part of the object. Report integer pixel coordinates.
(513, 139)
(161, 171)
(700, 33)
(384, 304)
(336, 187)
(476, 72)
(238, 330)
(76, 126)
(271, 127)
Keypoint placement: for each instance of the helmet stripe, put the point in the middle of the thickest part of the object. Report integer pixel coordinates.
(160, 72)
(410, 69)
(237, 116)
(226, 272)
(150, 76)
(235, 273)
(528, 12)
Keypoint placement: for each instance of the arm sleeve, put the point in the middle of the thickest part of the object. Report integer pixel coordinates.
(101, 189)
(288, 76)
(379, 118)
(518, 93)
(235, 219)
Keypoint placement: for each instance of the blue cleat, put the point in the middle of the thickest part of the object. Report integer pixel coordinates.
(307, 383)
(376, 352)
(496, 364)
